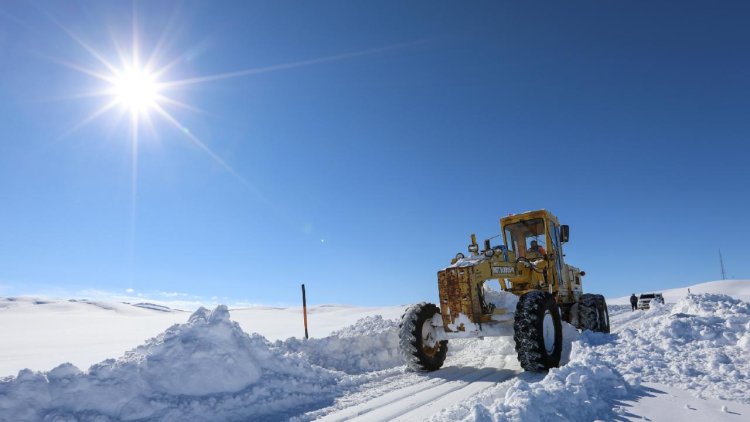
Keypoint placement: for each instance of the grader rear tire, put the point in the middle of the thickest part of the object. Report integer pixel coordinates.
(417, 340)
(538, 331)
(593, 314)
(603, 314)
(588, 312)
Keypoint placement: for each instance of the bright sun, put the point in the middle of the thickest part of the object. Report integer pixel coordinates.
(136, 89)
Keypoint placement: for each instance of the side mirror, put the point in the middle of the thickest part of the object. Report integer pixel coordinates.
(564, 233)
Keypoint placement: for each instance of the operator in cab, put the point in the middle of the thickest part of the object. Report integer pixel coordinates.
(535, 250)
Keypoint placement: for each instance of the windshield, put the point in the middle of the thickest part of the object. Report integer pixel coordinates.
(647, 296)
(527, 238)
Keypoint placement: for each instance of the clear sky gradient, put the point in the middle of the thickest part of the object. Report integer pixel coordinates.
(363, 142)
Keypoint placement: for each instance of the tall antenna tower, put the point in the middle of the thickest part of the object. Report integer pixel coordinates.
(721, 262)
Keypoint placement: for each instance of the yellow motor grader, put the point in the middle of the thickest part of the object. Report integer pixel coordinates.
(534, 291)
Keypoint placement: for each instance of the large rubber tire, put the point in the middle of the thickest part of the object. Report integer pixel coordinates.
(603, 314)
(538, 331)
(588, 312)
(417, 338)
(593, 314)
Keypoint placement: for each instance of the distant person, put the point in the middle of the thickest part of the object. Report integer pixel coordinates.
(633, 301)
(535, 251)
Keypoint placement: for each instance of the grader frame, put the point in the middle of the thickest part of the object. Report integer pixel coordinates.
(538, 291)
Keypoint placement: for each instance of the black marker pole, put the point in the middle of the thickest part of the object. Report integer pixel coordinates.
(304, 308)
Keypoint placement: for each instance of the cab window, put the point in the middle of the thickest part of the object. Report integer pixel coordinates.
(527, 238)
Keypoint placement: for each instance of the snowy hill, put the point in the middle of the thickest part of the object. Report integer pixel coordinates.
(154, 307)
(739, 289)
(687, 360)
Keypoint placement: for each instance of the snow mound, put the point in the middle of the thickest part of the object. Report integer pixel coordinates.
(701, 344)
(585, 389)
(205, 369)
(708, 305)
(370, 344)
(367, 326)
(581, 390)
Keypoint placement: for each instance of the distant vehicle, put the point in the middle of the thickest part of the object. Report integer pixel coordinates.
(644, 300)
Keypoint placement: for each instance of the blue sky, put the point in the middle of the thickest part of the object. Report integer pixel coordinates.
(371, 140)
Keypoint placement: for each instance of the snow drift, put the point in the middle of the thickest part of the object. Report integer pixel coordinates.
(205, 369)
(583, 390)
(371, 344)
(701, 344)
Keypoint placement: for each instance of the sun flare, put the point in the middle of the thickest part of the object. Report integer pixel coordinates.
(142, 87)
(136, 89)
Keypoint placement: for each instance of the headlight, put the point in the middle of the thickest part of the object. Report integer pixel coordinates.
(473, 248)
(459, 256)
(488, 253)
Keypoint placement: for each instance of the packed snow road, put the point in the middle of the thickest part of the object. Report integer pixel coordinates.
(412, 396)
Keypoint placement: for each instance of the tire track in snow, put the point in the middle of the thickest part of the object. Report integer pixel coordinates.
(434, 405)
(443, 388)
(628, 319)
(623, 323)
(426, 382)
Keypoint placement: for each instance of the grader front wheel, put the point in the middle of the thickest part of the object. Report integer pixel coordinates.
(418, 338)
(538, 331)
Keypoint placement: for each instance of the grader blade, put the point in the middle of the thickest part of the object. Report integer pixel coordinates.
(458, 295)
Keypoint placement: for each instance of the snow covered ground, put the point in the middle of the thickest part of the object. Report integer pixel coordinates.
(42, 333)
(689, 359)
(739, 289)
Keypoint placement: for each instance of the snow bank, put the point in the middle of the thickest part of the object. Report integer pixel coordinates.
(702, 344)
(371, 344)
(584, 389)
(205, 369)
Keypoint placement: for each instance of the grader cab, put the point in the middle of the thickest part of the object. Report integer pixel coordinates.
(534, 290)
